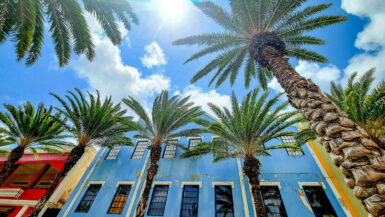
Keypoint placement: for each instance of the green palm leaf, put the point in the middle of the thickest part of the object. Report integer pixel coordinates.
(248, 19)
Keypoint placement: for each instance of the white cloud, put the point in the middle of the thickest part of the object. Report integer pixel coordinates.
(322, 76)
(154, 56)
(111, 76)
(201, 98)
(371, 39)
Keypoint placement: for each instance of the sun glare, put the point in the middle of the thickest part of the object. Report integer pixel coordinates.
(172, 10)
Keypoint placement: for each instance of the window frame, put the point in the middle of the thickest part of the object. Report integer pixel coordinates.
(166, 146)
(230, 185)
(194, 138)
(77, 210)
(136, 146)
(109, 211)
(183, 198)
(322, 187)
(113, 152)
(290, 152)
(284, 214)
(152, 198)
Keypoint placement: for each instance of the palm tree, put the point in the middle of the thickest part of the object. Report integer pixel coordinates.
(28, 128)
(244, 130)
(261, 34)
(92, 121)
(23, 22)
(168, 116)
(365, 107)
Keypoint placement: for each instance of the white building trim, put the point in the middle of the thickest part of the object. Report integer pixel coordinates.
(22, 211)
(252, 201)
(243, 189)
(226, 183)
(18, 202)
(138, 184)
(195, 137)
(169, 183)
(96, 183)
(278, 184)
(125, 183)
(191, 183)
(301, 184)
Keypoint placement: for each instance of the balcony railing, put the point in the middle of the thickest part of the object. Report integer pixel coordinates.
(11, 192)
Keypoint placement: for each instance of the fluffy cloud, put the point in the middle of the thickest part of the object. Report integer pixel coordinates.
(371, 39)
(201, 98)
(322, 76)
(154, 56)
(111, 76)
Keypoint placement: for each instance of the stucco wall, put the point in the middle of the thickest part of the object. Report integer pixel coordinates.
(287, 170)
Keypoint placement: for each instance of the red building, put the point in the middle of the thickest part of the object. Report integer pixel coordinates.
(29, 181)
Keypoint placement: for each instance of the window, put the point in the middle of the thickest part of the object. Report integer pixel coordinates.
(319, 201)
(272, 201)
(158, 200)
(140, 148)
(291, 140)
(194, 142)
(224, 201)
(88, 198)
(170, 150)
(190, 201)
(113, 152)
(224, 151)
(120, 199)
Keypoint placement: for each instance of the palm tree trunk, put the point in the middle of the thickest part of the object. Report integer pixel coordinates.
(10, 165)
(151, 173)
(360, 159)
(71, 160)
(251, 170)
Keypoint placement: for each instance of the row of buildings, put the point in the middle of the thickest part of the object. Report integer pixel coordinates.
(109, 182)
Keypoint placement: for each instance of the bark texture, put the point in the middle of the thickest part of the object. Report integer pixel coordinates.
(251, 170)
(70, 162)
(360, 159)
(10, 165)
(151, 173)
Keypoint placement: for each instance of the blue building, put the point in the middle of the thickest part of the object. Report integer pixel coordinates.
(293, 184)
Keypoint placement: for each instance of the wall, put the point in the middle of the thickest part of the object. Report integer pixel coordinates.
(287, 170)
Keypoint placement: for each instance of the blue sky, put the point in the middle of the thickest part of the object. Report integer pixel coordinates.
(146, 62)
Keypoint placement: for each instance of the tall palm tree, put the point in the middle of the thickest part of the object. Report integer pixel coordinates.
(261, 34)
(23, 22)
(244, 130)
(363, 106)
(91, 122)
(28, 128)
(168, 116)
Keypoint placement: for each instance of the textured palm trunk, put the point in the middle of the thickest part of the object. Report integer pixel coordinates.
(10, 165)
(251, 170)
(71, 160)
(151, 173)
(359, 158)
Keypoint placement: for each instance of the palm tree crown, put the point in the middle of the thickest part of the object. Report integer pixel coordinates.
(168, 115)
(23, 22)
(94, 121)
(29, 128)
(251, 26)
(363, 106)
(243, 132)
(90, 122)
(247, 127)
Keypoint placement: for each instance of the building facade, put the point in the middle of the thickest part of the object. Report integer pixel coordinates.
(32, 176)
(292, 183)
